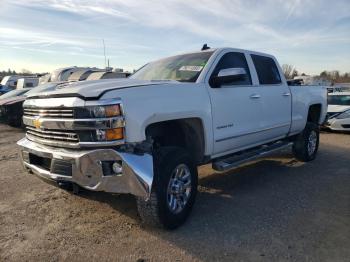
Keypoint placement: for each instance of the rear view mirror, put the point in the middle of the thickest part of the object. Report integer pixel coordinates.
(228, 75)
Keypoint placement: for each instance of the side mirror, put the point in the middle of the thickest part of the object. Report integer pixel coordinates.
(228, 75)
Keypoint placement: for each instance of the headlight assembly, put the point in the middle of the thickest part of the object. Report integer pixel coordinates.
(109, 123)
(98, 111)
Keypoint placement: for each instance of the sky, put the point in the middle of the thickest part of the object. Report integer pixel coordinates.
(42, 35)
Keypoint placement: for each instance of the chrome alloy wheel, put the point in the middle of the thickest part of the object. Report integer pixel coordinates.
(312, 143)
(179, 188)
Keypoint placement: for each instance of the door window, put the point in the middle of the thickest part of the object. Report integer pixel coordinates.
(267, 70)
(234, 60)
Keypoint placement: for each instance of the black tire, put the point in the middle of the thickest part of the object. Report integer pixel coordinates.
(303, 143)
(156, 211)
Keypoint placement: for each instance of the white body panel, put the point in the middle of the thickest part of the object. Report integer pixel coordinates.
(145, 105)
(302, 98)
(254, 122)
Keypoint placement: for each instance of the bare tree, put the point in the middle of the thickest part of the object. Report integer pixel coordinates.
(289, 71)
(26, 71)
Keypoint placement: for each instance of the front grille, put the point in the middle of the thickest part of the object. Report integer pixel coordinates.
(52, 136)
(49, 112)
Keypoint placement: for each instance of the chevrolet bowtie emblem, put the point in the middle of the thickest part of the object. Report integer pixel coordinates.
(37, 122)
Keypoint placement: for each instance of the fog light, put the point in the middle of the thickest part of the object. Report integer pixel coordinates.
(117, 168)
(25, 156)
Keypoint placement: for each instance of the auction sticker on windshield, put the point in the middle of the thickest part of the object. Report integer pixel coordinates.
(191, 68)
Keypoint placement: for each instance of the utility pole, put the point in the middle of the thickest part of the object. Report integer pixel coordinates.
(104, 52)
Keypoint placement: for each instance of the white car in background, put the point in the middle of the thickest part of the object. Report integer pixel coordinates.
(338, 115)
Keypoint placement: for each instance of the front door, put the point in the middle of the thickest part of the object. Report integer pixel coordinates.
(237, 109)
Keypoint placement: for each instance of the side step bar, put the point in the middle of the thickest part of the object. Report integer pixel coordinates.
(236, 160)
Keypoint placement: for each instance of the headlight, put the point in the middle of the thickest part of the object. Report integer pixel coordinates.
(111, 131)
(345, 114)
(98, 111)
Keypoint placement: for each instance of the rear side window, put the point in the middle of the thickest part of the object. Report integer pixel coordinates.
(267, 70)
(234, 60)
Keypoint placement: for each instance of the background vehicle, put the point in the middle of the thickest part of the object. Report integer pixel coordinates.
(9, 83)
(11, 106)
(7, 102)
(60, 74)
(4, 89)
(338, 116)
(82, 74)
(107, 75)
(16, 92)
(27, 82)
(146, 135)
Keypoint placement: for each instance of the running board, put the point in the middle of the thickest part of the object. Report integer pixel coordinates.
(236, 160)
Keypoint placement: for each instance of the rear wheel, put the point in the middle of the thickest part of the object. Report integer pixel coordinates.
(174, 190)
(305, 146)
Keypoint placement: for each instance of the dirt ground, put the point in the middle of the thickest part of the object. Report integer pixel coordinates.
(276, 209)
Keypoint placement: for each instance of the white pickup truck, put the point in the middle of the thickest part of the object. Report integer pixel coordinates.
(146, 135)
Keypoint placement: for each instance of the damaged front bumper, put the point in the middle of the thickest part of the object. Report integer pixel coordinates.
(90, 169)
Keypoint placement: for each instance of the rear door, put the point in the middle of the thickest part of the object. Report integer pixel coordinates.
(275, 98)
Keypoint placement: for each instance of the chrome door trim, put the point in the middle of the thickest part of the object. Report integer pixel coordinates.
(252, 132)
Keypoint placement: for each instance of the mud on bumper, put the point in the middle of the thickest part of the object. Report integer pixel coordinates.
(90, 169)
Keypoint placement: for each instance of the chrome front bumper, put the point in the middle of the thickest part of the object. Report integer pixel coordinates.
(87, 168)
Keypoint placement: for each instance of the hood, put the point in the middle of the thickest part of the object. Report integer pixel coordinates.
(94, 89)
(50, 86)
(12, 100)
(337, 108)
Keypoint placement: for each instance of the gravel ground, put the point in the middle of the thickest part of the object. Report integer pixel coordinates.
(275, 209)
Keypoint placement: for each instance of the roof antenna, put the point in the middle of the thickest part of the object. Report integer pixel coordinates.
(205, 47)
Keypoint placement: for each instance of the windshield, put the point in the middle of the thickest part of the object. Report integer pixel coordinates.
(343, 100)
(184, 68)
(4, 80)
(14, 93)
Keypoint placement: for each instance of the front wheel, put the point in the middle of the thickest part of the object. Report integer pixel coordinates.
(174, 189)
(305, 146)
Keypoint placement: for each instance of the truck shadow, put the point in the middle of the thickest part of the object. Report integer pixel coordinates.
(123, 203)
(212, 185)
(251, 206)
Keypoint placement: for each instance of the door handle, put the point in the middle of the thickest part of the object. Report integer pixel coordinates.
(286, 94)
(255, 96)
